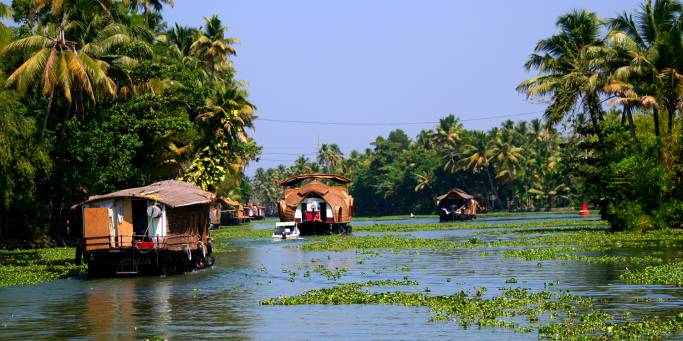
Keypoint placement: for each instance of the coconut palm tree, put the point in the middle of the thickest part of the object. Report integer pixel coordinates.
(180, 39)
(228, 112)
(548, 193)
(424, 180)
(474, 158)
(212, 47)
(507, 158)
(329, 157)
(446, 132)
(651, 47)
(148, 6)
(65, 64)
(301, 166)
(570, 64)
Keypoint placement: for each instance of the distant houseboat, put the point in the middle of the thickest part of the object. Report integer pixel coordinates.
(254, 211)
(163, 227)
(456, 205)
(232, 212)
(311, 206)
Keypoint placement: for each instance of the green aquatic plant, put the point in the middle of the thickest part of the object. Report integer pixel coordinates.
(601, 240)
(23, 267)
(477, 225)
(396, 242)
(466, 308)
(515, 308)
(602, 326)
(670, 274)
(570, 253)
(333, 275)
(237, 232)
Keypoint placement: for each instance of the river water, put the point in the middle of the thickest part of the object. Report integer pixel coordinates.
(223, 302)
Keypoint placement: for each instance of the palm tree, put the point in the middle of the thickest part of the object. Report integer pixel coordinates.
(329, 157)
(180, 39)
(475, 159)
(548, 194)
(508, 158)
(424, 180)
(65, 64)
(301, 166)
(148, 6)
(228, 112)
(447, 132)
(212, 47)
(570, 64)
(651, 47)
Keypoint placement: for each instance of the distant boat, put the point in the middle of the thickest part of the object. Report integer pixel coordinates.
(311, 206)
(456, 205)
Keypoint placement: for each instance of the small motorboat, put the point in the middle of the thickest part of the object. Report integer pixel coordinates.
(286, 230)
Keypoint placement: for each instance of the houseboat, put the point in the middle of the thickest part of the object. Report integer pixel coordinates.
(232, 212)
(314, 204)
(254, 211)
(456, 205)
(160, 228)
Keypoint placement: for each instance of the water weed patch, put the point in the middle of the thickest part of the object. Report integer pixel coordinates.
(23, 267)
(477, 225)
(670, 274)
(396, 242)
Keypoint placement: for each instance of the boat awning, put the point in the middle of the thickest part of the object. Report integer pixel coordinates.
(229, 201)
(173, 193)
(454, 193)
(295, 180)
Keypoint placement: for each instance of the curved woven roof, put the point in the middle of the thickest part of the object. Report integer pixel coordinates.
(454, 193)
(295, 180)
(173, 193)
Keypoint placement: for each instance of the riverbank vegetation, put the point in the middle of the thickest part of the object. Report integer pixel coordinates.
(104, 95)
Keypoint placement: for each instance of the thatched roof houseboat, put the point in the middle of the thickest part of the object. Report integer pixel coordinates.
(456, 205)
(160, 227)
(312, 206)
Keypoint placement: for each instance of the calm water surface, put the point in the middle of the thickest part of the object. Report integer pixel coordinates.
(223, 302)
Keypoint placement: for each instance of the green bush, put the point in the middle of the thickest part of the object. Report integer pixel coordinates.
(670, 214)
(628, 215)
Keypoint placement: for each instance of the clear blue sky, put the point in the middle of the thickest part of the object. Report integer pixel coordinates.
(380, 61)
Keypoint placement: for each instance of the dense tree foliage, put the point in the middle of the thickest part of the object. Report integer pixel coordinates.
(101, 95)
(515, 166)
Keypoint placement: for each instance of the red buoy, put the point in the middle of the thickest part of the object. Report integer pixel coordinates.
(584, 212)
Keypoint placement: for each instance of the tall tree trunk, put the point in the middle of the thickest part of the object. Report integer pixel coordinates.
(631, 125)
(493, 186)
(671, 108)
(47, 111)
(595, 108)
(655, 117)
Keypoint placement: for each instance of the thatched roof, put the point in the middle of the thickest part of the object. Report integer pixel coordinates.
(336, 196)
(173, 193)
(229, 201)
(454, 193)
(295, 180)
